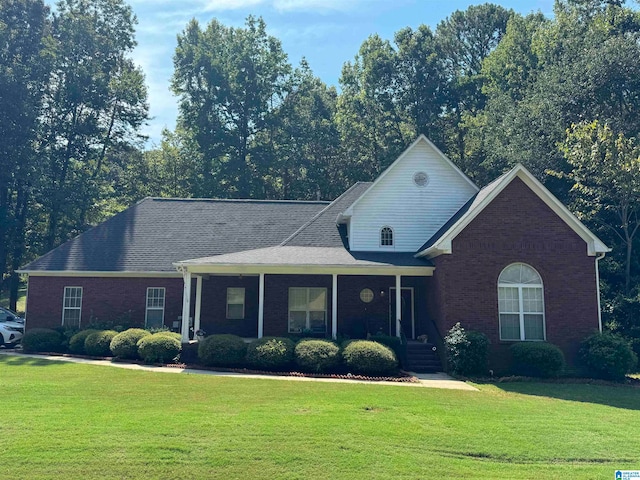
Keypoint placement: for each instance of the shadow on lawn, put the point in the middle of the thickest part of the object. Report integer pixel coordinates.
(612, 395)
(11, 360)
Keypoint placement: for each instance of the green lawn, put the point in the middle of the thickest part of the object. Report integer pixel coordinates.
(22, 298)
(63, 420)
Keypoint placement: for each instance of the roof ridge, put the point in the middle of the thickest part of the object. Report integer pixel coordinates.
(237, 200)
(317, 215)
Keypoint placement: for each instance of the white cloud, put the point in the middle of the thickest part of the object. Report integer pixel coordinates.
(222, 5)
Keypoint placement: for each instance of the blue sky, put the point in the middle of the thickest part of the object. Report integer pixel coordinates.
(327, 32)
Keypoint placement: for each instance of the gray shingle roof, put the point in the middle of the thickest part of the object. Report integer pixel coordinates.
(321, 231)
(313, 256)
(151, 235)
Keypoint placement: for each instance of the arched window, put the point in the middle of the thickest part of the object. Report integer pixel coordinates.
(521, 303)
(386, 237)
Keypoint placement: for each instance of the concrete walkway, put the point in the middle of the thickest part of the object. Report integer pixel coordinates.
(428, 380)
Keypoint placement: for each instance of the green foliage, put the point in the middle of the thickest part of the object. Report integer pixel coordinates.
(394, 343)
(608, 356)
(222, 351)
(158, 348)
(467, 351)
(42, 340)
(76, 342)
(98, 343)
(317, 355)
(270, 353)
(369, 358)
(537, 359)
(125, 344)
(170, 334)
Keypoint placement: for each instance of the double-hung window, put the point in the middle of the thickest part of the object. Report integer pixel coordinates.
(521, 303)
(155, 307)
(72, 306)
(307, 309)
(235, 303)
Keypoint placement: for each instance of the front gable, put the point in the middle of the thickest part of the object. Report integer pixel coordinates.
(414, 197)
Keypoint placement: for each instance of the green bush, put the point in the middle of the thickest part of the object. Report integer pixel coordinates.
(394, 343)
(467, 351)
(76, 343)
(97, 343)
(270, 353)
(157, 348)
(170, 334)
(317, 355)
(369, 358)
(42, 340)
(125, 344)
(608, 356)
(537, 359)
(222, 351)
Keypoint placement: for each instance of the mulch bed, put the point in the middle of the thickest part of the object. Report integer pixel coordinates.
(402, 377)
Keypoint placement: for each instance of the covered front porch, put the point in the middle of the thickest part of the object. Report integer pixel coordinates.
(301, 296)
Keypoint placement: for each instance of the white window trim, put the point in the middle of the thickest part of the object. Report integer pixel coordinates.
(64, 308)
(308, 319)
(393, 237)
(244, 301)
(147, 307)
(522, 313)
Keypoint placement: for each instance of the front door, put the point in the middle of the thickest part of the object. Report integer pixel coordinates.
(407, 312)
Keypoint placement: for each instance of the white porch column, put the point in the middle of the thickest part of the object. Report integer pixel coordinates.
(261, 306)
(334, 307)
(398, 304)
(196, 319)
(186, 305)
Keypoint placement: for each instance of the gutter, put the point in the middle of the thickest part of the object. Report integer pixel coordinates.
(598, 258)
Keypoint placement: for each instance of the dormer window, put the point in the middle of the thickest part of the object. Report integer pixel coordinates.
(386, 237)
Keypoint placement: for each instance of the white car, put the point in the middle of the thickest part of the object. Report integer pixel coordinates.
(11, 328)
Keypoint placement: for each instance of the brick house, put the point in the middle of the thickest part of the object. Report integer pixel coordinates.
(508, 260)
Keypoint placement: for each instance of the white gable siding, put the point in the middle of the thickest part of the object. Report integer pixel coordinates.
(415, 213)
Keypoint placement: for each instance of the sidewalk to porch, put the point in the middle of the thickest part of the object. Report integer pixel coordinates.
(431, 380)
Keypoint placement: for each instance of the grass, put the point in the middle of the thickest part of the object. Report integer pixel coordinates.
(64, 420)
(22, 298)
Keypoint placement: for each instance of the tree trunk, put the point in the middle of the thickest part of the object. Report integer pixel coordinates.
(18, 246)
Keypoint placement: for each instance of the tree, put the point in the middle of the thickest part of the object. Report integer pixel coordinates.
(230, 82)
(96, 103)
(24, 64)
(605, 172)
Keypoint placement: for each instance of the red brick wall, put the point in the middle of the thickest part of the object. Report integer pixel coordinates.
(517, 227)
(213, 317)
(102, 298)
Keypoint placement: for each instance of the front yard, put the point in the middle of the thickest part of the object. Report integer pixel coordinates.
(63, 420)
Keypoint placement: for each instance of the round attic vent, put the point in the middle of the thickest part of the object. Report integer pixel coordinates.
(366, 295)
(421, 179)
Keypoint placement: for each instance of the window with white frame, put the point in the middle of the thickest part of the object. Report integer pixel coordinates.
(155, 307)
(235, 303)
(521, 303)
(386, 237)
(307, 310)
(72, 306)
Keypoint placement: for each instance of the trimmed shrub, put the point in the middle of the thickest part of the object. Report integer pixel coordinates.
(157, 348)
(270, 353)
(169, 333)
(317, 356)
(76, 343)
(369, 358)
(537, 359)
(222, 351)
(607, 356)
(42, 340)
(125, 344)
(467, 351)
(394, 343)
(97, 343)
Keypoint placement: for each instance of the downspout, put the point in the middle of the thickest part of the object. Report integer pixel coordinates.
(598, 258)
